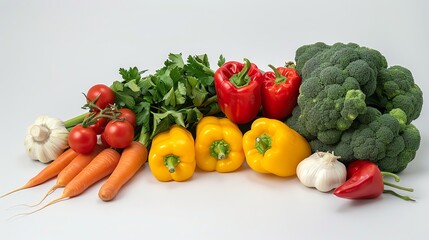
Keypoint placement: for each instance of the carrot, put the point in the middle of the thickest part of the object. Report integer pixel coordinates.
(132, 159)
(100, 167)
(52, 170)
(72, 170)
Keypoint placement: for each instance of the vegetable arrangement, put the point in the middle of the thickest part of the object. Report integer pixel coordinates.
(287, 122)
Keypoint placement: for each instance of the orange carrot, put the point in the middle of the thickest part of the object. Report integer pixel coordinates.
(100, 167)
(72, 170)
(52, 170)
(132, 159)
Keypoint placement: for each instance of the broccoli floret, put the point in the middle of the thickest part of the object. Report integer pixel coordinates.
(385, 140)
(370, 141)
(307, 52)
(351, 103)
(396, 89)
(336, 81)
(408, 142)
(294, 123)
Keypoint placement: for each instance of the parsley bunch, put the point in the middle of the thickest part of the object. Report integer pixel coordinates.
(178, 93)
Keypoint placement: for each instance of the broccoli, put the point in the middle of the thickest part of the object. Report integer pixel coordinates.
(396, 89)
(350, 102)
(386, 140)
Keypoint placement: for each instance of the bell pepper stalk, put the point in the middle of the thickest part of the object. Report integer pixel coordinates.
(172, 155)
(366, 181)
(238, 88)
(270, 146)
(280, 92)
(218, 145)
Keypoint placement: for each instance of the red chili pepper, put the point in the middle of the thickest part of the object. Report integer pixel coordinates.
(365, 181)
(238, 89)
(280, 92)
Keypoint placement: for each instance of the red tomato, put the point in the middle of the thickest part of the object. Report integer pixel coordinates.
(105, 95)
(118, 134)
(103, 141)
(99, 125)
(82, 140)
(128, 115)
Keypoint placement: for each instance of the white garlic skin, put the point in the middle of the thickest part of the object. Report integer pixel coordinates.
(322, 170)
(46, 139)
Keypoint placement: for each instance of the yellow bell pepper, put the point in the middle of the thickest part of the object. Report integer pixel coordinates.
(172, 155)
(272, 147)
(218, 145)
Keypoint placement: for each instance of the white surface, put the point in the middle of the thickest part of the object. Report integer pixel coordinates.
(52, 51)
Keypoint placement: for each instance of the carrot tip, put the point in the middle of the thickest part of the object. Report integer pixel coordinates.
(15, 190)
(106, 195)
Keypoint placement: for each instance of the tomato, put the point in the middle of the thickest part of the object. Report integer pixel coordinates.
(118, 134)
(99, 125)
(81, 139)
(128, 115)
(104, 95)
(103, 141)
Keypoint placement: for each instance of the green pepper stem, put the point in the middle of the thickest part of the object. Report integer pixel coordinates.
(397, 179)
(263, 143)
(389, 174)
(406, 198)
(279, 77)
(241, 79)
(398, 187)
(219, 149)
(171, 162)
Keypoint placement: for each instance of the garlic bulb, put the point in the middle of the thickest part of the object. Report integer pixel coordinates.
(46, 139)
(322, 170)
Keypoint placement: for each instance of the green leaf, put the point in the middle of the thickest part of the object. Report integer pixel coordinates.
(192, 81)
(214, 109)
(176, 74)
(178, 118)
(198, 96)
(117, 86)
(164, 78)
(161, 122)
(207, 81)
(221, 60)
(180, 93)
(175, 60)
(132, 73)
(142, 111)
(170, 98)
(124, 100)
(193, 115)
(198, 66)
(132, 85)
(145, 84)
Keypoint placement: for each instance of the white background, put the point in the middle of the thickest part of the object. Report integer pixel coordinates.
(52, 51)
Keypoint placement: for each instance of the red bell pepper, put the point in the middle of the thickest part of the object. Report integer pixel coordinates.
(238, 89)
(280, 92)
(365, 181)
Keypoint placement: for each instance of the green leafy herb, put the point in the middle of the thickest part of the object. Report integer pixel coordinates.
(178, 93)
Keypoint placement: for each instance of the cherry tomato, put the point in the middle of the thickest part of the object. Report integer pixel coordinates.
(128, 115)
(105, 96)
(103, 141)
(99, 125)
(118, 134)
(82, 140)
